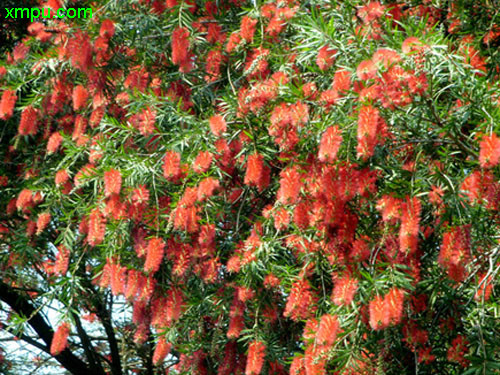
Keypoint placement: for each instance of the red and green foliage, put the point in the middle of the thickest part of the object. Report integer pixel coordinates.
(254, 187)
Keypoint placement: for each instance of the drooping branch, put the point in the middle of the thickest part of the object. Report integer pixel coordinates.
(23, 307)
(94, 362)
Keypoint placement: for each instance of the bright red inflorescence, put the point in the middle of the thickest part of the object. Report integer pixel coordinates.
(330, 144)
(162, 349)
(255, 358)
(180, 50)
(154, 254)
(455, 252)
(60, 339)
(112, 182)
(29, 121)
(344, 290)
(97, 227)
(7, 104)
(489, 152)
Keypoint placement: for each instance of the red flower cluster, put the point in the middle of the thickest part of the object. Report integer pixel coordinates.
(388, 310)
(60, 339)
(255, 359)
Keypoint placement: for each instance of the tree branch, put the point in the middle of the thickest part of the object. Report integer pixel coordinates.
(23, 307)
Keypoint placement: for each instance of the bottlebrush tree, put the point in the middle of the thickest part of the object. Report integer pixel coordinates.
(254, 187)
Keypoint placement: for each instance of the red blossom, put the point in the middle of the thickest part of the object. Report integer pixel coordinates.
(154, 254)
(60, 339)
(217, 125)
(7, 104)
(112, 182)
(255, 359)
(489, 152)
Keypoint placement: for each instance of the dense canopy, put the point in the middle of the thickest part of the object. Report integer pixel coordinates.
(251, 187)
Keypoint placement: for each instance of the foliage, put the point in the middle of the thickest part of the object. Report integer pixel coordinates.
(230, 186)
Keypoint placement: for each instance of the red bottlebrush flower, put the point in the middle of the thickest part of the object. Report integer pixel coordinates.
(174, 305)
(202, 162)
(107, 29)
(186, 218)
(390, 207)
(54, 142)
(327, 331)
(301, 301)
(215, 34)
(394, 305)
(281, 219)
(79, 130)
(330, 144)
(271, 281)
(366, 70)
(60, 339)
(30, 228)
(28, 124)
(97, 227)
(182, 261)
(298, 367)
(162, 349)
(326, 57)
(245, 294)
(408, 231)
(254, 172)
(62, 260)
(435, 195)
(342, 80)
(344, 290)
(213, 65)
(290, 185)
(115, 208)
(146, 121)
(7, 104)
(385, 57)
(172, 165)
(256, 65)
(425, 356)
(371, 12)
(117, 274)
(236, 325)
(484, 288)
(217, 125)
(368, 119)
(96, 116)
(379, 316)
(489, 154)
(313, 364)
(140, 194)
(61, 177)
(232, 43)
(247, 29)
(206, 188)
(310, 90)
(25, 199)
(301, 215)
(180, 49)
(80, 96)
(455, 252)
(154, 254)
(457, 351)
(80, 50)
(134, 280)
(255, 359)
(42, 222)
(112, 182)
